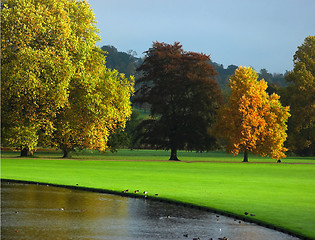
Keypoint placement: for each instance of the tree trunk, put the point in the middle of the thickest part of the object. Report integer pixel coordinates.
(174, 155)
(25, 152)
(245, 156)
(66, 153)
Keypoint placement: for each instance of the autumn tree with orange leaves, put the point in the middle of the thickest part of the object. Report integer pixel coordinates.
(251, 120)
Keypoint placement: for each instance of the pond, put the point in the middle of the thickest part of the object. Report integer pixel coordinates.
(31, 211)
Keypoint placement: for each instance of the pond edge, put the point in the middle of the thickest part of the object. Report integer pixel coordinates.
(166, 200)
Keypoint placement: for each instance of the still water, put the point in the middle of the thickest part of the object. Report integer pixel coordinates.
(32, 211)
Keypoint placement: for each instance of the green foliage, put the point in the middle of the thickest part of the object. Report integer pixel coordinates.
(224, 74)
(183, 95)
(126, 63)
(125, 138)
(275, 80)
(300, 96)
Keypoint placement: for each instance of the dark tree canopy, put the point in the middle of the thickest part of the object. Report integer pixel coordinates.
(181, 89)
(300, 95)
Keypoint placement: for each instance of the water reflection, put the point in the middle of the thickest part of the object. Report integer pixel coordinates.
(45, 212)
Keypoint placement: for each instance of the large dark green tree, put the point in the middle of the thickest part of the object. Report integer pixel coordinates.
(183, 95)
(301, 98)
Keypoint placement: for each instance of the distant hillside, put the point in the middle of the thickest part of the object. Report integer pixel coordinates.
(127, 63)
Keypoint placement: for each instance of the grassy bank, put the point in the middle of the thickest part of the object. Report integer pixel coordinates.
(278, 194)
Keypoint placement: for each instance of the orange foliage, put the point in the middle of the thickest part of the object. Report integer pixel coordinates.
(252, 121)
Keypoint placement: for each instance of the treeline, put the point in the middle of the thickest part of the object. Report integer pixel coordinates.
(123, 62)
(127, 63)
(295, 88)
(58, 89)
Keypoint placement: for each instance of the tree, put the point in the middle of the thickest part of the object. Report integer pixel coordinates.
(183, 96)
(301, 97)
(251, 120)
(98, 106)
(123, 62)
(49, 58)
(123, 138)
(36, 68)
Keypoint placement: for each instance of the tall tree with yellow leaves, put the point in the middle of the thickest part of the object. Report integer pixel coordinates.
(97, 107)
(49, 58)
(251, 120)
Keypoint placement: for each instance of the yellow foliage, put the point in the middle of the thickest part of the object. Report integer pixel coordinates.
(252, 120)
(54, 79)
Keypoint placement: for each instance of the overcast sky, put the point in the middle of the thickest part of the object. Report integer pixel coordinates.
(257, 33)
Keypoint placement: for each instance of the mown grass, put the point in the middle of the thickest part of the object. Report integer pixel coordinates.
(160, 155)
(279, 194)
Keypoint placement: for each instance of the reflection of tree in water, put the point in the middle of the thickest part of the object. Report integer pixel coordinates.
(48, 211)
(35, 212)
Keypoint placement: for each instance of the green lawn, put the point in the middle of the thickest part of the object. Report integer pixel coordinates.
(160, 155)
(279, 194)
